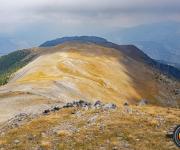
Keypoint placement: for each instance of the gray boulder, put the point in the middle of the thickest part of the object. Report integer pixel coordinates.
(109, 106)
(98, 104)
(55, 108)
(68, 105)
(81, 103)
(143, 102)
(47, 111)
(126, 104)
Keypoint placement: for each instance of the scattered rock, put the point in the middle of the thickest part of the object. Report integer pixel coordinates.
(81, 103)
(126, 104)
(86, 108)
(93, 119)
(68, 105)
(143, 102)
(98, 104)
(176, 91)
(73, 113)
(161, 120)
(109, 106)
(43, 134)
(15, 122)
(22, 118)
(64, 129)
(30, 137)
(47, 111)
(56, 108)
(126, 145)
(16, 141)
(127, 109)
(170, 132)
(2, 133)
(78, 114)
(115, 148)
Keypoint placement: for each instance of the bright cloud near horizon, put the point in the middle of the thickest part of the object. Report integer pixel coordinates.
(82, 16)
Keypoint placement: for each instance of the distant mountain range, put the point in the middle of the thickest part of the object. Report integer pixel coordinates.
(8, 45)
(91, 39)
(161, 41)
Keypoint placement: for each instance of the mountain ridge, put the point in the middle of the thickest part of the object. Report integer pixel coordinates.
(130, 50)
(62, 40)
(159, 40)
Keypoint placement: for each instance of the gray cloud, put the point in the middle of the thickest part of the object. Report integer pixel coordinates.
(80, 10)
(82, 16)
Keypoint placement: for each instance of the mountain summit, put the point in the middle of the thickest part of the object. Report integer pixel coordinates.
(91, 39)
(129, 50)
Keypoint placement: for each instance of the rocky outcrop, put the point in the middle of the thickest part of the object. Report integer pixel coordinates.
(82, 104)
(23, 118)
(143, 102)
(170, 132)
(16, 121)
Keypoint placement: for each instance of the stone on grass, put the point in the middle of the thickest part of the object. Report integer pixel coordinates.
(56, 108)
(68, 105)
(109, 106)
(126, 104)
(47, 111)
(170, 132)
(16, 141)
(143, 102)
(81, 103)
(93, 119)
(98, 104)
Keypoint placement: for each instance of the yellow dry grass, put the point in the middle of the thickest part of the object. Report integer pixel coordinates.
(93, 72)
(112, 129)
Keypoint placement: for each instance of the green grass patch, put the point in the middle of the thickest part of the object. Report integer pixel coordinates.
(12, 62)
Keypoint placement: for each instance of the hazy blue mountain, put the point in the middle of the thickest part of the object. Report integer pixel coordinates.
(92, 39)
(8, 45)
(158, 51)
(161, 41)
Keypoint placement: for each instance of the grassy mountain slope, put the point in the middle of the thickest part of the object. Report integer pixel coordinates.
(129, 50)
(88, 71)
(71, 128)
(11, 63)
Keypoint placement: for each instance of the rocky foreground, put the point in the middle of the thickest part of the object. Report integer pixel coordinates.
(85, 125)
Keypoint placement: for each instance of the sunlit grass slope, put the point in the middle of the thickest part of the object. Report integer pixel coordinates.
(145, 128)
(88, 71)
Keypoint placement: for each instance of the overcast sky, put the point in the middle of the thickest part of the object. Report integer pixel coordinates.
(69, 17)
